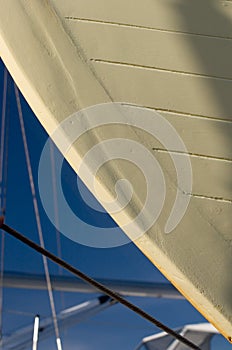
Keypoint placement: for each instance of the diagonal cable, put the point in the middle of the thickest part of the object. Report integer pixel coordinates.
(99, 286)
(37, 216)
(3, 159)
(2, 142)
(56, 212)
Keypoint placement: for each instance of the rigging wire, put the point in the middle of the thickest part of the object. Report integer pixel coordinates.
(56, 213)
(3, 170)
(6, 151)
(54, 191)
(37, 216)
(111, 293)
(2, 145)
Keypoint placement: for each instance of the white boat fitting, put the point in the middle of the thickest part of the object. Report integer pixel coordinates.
(201, 334)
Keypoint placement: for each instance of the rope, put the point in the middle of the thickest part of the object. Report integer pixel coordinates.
(115, 296)
(36, 209)
(3, 168)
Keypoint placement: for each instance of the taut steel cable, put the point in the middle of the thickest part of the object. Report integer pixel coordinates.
(115, 296)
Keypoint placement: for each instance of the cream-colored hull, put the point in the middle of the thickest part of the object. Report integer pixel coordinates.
(171, 56)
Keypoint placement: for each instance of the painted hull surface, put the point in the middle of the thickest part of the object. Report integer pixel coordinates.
(172, 57)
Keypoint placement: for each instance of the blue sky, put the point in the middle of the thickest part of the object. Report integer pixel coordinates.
(116, 327)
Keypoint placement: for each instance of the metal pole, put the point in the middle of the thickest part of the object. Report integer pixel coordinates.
(36, 333)
(70, 284)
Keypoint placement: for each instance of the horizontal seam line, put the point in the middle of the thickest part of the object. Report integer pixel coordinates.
(172, 111)
(218, 199)
(228, 160)
(71, 18)
(117, 63)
